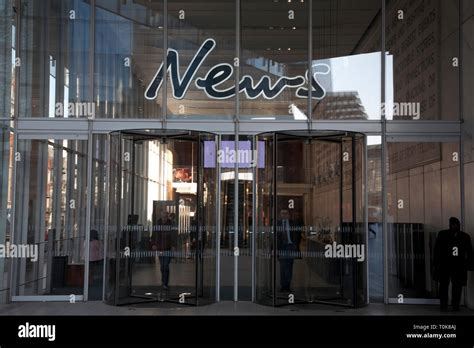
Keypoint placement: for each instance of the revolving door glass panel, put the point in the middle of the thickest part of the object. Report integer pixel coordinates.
(310, 241)
(162, 237)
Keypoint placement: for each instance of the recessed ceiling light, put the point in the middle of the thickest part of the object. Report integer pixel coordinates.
(289, 48)
(279, 48)
(294, 28)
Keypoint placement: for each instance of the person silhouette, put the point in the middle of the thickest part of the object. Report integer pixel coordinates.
(162, 241)
(453, 257)
(288, 246)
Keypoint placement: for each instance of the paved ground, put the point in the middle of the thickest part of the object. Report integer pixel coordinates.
(221, 308)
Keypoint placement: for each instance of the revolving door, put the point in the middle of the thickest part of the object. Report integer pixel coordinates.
(161, 238)
(310, 243)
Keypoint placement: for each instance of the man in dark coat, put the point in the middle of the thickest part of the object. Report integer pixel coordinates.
(162, 240)
(288, 246)
(453, 257)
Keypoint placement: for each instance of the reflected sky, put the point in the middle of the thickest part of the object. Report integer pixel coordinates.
(356, 73)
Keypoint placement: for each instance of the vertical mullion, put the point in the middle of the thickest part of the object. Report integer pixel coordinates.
(310, 65)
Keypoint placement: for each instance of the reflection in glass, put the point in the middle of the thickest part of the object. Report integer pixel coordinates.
(274, 52)
(374, 207)
(191, 25)
(98, 216)
(54, 52)
(128, 49)
(423, 192)
(7, 57)
(6, 168)
(51, 199)
(422, 75)
(318, 209)
(161, 232)
(346, 59)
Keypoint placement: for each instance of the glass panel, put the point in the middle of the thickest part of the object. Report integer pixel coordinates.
(422, 62)
(227, 240)
(468, 127)
(54, 51)
(293, 211)
(51, 200)
(264, 236)
(128, 50)
(203, 37)
(6, 168)
(7, 57)
(114, 207)
(98, 215)
(207, 238)
(246, 162)
(361, 223)
(274, 59)
(375, 232)
(244, 158)
(423, 192)
(346, 59)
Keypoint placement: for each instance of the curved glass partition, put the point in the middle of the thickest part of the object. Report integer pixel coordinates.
(311, 240)
(161, 238)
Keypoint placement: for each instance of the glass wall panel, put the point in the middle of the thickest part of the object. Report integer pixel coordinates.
(274, 60)
(201, 36)
(468, 127)
(128, 52)
(422, 60)
(423, 192)
(264, 235)
(6, 167)
(112, 230)
(228, 234)
(243, 198)
(98, 215)
(206, 240)
(54, 53)
(346, 59)
(374, 210)
(51, 185)
(7, 57)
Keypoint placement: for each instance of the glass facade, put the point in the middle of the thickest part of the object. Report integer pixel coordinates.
(77, 75)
